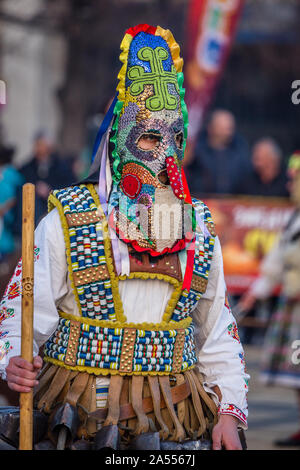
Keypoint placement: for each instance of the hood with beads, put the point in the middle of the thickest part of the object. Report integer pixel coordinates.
(149, 205)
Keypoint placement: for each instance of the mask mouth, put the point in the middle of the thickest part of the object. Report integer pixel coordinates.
(163, 177)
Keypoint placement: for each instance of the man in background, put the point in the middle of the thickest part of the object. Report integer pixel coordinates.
(268, 177)
(46, 170)
(221, 157)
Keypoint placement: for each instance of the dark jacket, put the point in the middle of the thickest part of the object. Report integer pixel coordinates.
(57, 174)
(218, 171)
(254, 186)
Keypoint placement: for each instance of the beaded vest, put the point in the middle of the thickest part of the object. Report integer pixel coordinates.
(101, 341)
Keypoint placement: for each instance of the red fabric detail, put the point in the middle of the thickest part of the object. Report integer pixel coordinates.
(131, 186)
(189, 267)
(174, 177)
(141, 27)
(188, 198)
(179, 245)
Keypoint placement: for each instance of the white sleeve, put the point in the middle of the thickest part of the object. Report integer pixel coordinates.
(50, 286)
(219, 351)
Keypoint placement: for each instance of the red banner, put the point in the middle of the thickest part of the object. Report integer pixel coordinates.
(211, 25)
(247, 228)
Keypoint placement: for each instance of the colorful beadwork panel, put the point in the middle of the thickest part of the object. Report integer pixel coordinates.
(101, 348)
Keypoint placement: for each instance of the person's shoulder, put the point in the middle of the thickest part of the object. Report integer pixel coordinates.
(16, 175)
(12, 176)
(28, 170)
(28, 163)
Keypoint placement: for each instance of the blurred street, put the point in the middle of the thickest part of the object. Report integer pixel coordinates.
(272, 410)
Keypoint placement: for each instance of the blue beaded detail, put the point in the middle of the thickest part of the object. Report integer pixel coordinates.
(100, 347)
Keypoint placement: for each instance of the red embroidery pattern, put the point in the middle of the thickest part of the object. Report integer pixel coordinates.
(233, 331)
(227, 305)
(6, 313)
(230, 409)
(14, 290)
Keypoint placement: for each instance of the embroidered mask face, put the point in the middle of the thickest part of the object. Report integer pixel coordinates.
(149, 134)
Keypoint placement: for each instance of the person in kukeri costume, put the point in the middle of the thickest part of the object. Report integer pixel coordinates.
(130, 299)
(280, 364)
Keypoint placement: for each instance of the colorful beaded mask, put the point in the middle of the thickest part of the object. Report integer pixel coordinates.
(148, 137)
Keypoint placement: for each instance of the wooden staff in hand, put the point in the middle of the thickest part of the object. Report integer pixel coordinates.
(26, 398)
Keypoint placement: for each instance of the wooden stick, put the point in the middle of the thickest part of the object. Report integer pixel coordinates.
(26, 399)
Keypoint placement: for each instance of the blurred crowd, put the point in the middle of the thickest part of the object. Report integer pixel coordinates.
(224, 163)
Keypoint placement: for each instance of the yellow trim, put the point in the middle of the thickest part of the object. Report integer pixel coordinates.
(52, 203)
(125, 44)
(146, 275)
(98, 371)
(174, 47)
(163, 326)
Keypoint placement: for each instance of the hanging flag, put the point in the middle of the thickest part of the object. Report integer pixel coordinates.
(211, 25)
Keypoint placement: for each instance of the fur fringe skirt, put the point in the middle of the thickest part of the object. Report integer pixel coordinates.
(176, 406)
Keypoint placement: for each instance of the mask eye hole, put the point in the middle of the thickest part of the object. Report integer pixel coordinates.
(149, 141)
(179, 139)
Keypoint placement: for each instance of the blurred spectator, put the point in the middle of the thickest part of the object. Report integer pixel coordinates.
(47, 171)
(221, 157)
(281, 266)
(268, 177)
(10, 181)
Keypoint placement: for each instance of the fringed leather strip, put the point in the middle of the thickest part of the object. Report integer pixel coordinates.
(179, 433)
(87, 404)
(57, 384)
(180, 406)
(77, 388)
(197, 405)
(204, 395)
(113, 400)
(137, 404)
(46, 375)
(155, 394)
(150, 416)
(187, 421)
